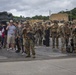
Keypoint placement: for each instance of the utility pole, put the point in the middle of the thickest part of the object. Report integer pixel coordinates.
(49, 14)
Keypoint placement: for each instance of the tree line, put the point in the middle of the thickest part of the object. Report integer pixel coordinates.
(71, 13)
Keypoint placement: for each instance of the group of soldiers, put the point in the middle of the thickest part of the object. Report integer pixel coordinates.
(29, 35)
(65, 31)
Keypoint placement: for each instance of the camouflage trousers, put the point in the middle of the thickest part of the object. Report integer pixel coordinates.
(66, 40)
(38, 39)
(62, 43)
(55, 41)
(29, 47)
(74, 38)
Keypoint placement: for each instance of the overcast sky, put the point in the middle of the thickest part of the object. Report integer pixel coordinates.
(30, 8)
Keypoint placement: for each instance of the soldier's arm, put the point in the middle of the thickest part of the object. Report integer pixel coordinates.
(59, 31)
(51, 31)
(63, 30)
(70, 32)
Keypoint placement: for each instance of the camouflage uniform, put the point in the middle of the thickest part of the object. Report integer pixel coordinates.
(36, 36)
(25, 40)
(67, 33)
(30, 43)
(55, 35)
(74, 37)
(62, 33)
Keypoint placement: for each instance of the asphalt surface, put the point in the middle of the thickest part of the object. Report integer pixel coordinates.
(48, 61)
(38, 67)
(42, 53)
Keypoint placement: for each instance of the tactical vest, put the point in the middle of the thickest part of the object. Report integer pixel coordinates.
(74, 32)
(67, 30)
(54, 29)
(61, 31)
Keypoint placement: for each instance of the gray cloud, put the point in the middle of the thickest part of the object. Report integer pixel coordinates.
(35, 7)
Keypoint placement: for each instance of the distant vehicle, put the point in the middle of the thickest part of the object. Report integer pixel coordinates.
(3, 22)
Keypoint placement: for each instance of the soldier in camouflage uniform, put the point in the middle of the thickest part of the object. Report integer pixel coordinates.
(31, 42)
(40, 33)
(62, 36)
(36, 34)
(28, 40)
(25, 40)
(67, 34)
(74, 37)
(55, 34)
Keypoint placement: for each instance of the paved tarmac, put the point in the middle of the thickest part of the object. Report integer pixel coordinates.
(42, 53)
(38, 67)
(48, 61)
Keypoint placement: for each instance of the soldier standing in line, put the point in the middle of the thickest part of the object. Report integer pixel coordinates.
(36, 35)
(40, 34)
(55, 34)
(74, 37)
(24, 36)
(61, 33)
(67, 33)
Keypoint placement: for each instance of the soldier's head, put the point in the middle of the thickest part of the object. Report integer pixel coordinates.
(55, 23)
(66, 23)
(27, 24)
(24, 31)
